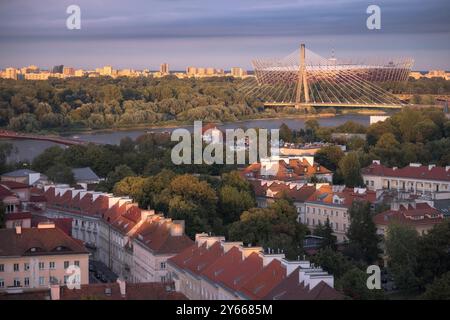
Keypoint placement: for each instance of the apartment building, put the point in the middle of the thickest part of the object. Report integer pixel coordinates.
(420, 216)
(32, 258)
(132, 242)
(213, 269)
(333, 203)
(415, 178)
(298, 169)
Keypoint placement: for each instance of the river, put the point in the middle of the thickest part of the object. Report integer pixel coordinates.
(26, 150)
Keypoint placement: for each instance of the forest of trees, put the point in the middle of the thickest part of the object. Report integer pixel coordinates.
(98, 103)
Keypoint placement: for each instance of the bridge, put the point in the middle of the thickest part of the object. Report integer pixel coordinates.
(25, 136)
(305, 79)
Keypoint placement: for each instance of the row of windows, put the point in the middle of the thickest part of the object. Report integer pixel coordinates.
(17, 282)
(334, 225)
(324, 211)
(41, 265)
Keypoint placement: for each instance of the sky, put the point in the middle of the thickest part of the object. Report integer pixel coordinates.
(219, 33)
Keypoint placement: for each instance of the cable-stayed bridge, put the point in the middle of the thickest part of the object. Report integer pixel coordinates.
(306, 79)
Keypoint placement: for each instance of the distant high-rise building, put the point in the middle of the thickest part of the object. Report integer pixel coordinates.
(79, 73)
(106, 71)
(69, 71)
(191, 71)
(238, 72)
(58, 69)
(164, 69)
(210, 71)
(10, 73)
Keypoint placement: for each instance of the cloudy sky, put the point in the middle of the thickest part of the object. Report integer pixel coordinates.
(219, 33)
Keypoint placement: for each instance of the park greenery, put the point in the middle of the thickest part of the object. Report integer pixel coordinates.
(104, 102)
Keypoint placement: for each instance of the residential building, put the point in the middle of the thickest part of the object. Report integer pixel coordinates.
(213, 269)
(10, 73)
(238, 72)
(68, 71)
(164, 69)
(26, 176)
(132, 242)
(419, 216)
(415, 178)
(36, 257)
(333, 203)
(299, 169)
(119, 290)
(85, 176)
(267, 192)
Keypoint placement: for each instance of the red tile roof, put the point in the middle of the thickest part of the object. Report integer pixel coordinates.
(264, 281)
(325, 195)
(46, 242)
(294, 170)
(279, 190)
(14, 185)
(291, 289)
(420, 215)
(411, 172)
(156, 236)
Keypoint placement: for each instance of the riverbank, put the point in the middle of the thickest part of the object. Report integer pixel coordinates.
(171, 124)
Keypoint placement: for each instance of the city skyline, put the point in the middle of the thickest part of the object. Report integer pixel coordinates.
(220, 34)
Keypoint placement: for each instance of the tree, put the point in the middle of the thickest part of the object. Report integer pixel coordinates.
(401, 249)
(60, 173)
(233, 202)
(130, 186)
(286, 133)
(439, 289)
(362, 236)
(47, 159)
(354, 285)
(326, 232)
(333, 262)
(387, 149)
(433, 258)
(120, 172)
(350, 169)
(274, 227)
(329, 156)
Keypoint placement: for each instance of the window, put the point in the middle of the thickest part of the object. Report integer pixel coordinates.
(2, 267)
(16, 267)
(163, 265)
(41, 266)
(26, 282)
(16, 282)
(51, 265)
(2, 283)
(41, 281)
(26, 266)
(53, 280)
(337, 226)
(65, 279)
(66, 264)
(163, 279)
(77, 263)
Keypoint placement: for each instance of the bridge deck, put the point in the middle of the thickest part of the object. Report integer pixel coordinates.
(333, 105)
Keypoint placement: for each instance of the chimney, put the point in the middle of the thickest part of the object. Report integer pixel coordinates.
(431, 166)
(145, 214)
(18, 230)
(268, 258)
(177, 228)
(55, 292)
(229, 245)
(122, 287)
(292, 265)
(246, 251)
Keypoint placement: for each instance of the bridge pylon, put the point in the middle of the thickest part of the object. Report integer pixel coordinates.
(302, 81)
